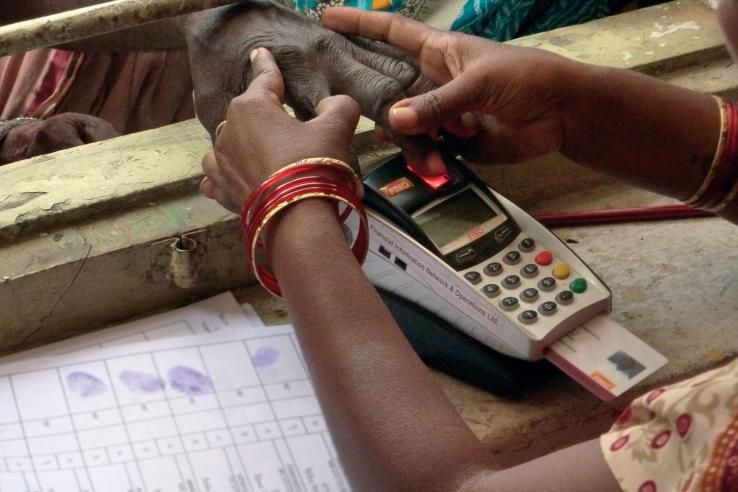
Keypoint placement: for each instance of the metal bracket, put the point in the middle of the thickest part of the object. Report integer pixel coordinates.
(175, 260)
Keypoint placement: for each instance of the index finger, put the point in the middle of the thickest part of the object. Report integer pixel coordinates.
(401, 32)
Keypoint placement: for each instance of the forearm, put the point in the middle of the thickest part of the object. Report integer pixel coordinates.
(642, 130)
(393, 426)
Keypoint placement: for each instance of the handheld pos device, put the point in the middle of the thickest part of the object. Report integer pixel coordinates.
(455, 247)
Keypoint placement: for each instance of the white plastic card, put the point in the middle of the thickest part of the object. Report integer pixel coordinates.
(604, 357)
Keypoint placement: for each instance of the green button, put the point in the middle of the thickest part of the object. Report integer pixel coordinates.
(578, 285)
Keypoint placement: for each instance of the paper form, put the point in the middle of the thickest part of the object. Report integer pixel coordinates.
(232, 411)
(211, 315)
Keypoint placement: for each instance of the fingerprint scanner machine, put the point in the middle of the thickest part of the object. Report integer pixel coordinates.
(459, 249)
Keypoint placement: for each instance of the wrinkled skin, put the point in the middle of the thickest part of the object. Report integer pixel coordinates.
(58, 132)
(316, 63)
(259, 136)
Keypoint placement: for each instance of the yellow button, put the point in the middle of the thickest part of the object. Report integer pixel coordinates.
(561, 271)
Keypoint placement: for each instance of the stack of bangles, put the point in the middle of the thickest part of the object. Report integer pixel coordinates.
(720, 185)
(318, 177)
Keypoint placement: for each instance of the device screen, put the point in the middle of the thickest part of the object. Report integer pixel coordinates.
(459, 220)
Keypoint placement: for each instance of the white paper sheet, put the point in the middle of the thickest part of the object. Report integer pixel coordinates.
(211, 315)
(147, 406)
(232, 411)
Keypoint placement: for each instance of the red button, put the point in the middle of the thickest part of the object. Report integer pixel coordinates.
(544, 258)
(434, 182)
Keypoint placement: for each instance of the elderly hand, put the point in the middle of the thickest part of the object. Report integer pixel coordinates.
(494, 102)
(315, 61)
(259, 137)
(58, 132)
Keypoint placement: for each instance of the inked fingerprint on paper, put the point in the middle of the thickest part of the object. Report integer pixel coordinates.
(85, 385)
(141, 383)
(264, 357)
(189, 381)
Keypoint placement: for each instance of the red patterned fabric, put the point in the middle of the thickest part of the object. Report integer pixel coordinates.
(682, 437)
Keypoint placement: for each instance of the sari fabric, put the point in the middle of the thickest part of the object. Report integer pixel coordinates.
(500, 20)
(682, 437)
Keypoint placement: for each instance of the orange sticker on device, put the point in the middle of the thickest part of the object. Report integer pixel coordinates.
(396, 187)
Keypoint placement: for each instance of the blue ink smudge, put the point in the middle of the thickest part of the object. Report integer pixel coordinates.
(85, 385)
(265, 356)
(189, 381)
(141, 383)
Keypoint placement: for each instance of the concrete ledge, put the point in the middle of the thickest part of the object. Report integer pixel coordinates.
(678, 41)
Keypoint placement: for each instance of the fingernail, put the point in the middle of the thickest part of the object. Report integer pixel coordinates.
(434, 164)
(406, 118)
(254, 53)
(471, 123)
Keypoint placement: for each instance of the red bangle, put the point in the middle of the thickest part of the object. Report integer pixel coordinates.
(289, 197)
(299, 167)
(310, 178)
(286, 172)
(285, 195)
(359, 248)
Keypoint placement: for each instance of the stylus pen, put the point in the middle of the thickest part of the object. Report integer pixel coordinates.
(615, 215)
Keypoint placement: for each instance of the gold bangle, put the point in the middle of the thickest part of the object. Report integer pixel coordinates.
(710, 177)
(315, 160)
(271, 214)
(729, 198)
(329, 161)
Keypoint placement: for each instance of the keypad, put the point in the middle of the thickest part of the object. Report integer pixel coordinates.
(578, 285)
(466, 255)
(565, 297)
(491, 290)
(527, 245)
(512, 258)
(544, 258)
(511, 282)
(509, 303)
(561, 271)
(529, 295)
(547, 284)
(535, 290)
(529, 271)
(528, 317)
(493, 269)
(548, 308)
(473, 277)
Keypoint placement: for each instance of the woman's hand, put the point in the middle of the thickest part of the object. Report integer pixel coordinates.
(316, 63)
(496, 102)
(259, 137)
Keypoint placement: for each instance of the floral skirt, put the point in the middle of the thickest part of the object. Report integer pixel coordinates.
(682, 437)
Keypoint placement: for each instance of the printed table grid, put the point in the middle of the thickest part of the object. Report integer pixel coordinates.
(222, 443)
(145, 334)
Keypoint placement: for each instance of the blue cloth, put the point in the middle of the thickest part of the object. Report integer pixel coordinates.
(314, 8)
(504, 19)
(500, 20)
